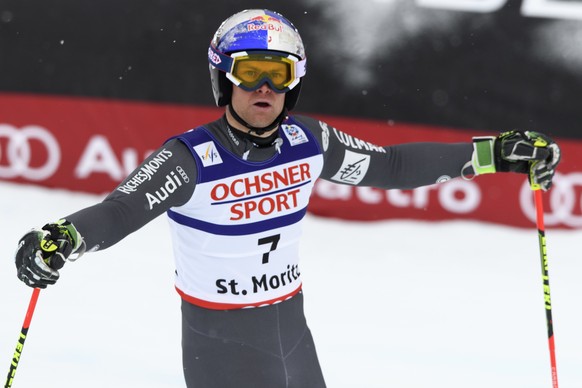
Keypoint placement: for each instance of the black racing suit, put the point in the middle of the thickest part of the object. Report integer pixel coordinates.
(268, 346)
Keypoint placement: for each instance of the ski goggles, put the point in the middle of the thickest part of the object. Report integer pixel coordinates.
(251, 70)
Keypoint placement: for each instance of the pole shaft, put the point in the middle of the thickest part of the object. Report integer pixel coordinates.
(22, 338)
(546, 283)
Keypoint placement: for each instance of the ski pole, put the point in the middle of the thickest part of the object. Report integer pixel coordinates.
(546, 281)
(22, 338)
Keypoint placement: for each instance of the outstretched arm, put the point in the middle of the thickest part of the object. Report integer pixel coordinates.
(165, 179)
(349, 160)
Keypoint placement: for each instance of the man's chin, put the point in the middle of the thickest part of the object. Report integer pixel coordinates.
(262, 120)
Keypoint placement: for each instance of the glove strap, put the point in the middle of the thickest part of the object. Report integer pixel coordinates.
(67, 229)
(483, 155)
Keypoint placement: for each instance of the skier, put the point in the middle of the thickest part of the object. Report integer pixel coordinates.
(236, 190)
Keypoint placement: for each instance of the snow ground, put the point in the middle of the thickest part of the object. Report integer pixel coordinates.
(391, 304)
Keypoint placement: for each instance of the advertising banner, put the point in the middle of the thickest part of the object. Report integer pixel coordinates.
(90, 145)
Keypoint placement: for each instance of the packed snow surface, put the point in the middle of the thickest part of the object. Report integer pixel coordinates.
(390, 304)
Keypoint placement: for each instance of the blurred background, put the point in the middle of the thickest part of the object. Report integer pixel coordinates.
(472, 64)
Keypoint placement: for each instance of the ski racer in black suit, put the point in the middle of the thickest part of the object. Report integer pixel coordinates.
(235, 191)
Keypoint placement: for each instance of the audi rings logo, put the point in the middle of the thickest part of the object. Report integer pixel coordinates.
(565, 200)
(16, 152)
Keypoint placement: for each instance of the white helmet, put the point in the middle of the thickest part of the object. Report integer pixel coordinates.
(254, 30)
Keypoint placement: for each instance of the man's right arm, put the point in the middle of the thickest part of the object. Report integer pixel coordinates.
(165, 179)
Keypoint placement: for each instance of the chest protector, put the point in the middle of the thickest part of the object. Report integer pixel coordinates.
(236, 241)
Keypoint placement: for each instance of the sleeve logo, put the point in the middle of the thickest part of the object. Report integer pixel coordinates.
(208, 154)
(353, 168)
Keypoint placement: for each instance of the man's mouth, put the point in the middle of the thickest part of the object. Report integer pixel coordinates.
(262, 104)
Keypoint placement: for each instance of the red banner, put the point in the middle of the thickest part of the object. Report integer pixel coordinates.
(90, 145)
(84, 144)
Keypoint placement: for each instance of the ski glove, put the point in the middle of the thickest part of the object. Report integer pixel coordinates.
(527, 152)
(42, 252)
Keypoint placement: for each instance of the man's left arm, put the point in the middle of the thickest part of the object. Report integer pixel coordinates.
(348, 160)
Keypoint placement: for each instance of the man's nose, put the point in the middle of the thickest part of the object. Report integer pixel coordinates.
(264, 88)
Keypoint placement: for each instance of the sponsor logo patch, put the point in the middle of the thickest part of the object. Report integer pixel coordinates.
(294, 134)
(171, 184)
(353, 168)
(262, 194)
(214, 58)
(356, 143)
(208, 154)
(145, 173)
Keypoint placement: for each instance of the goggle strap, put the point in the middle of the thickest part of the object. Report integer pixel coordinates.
(219, 60)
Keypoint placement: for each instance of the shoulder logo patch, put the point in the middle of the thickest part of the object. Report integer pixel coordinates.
(294, 134)
(208, 154)
(353, 168)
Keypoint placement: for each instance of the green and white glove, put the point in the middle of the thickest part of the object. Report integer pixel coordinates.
(526, 152)
(42, 252)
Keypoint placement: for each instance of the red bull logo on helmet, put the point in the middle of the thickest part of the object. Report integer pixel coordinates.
(265, 23)
(264, 19)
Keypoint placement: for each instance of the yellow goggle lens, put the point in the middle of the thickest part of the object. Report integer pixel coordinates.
(251, 72)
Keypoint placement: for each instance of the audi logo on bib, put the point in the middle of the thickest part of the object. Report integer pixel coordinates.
(565, 201)
(21, 149)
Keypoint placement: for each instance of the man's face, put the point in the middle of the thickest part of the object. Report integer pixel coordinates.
(258, 108)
